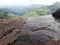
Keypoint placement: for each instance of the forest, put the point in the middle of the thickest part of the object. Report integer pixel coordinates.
(28, 11)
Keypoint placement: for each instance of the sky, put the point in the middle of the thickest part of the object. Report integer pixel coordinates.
(27, 2)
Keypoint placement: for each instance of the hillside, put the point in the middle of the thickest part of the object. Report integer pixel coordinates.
(20, 10)
(54, 7)
(6, 15)
(43, 10)
(31, 10)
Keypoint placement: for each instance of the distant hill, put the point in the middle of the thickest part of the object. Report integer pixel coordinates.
(38, 12)
(3, 14)
(54, 7)
(20, 10)
(31, 10)
(43, 10)
(6, 15)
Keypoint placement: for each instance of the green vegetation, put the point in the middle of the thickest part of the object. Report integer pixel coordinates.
(6, 15)
(11, 16)
(28, 11)
(33, 13)
(54, 7)
(38, 12)
(43, 11)
(30, 14)
(3, 14)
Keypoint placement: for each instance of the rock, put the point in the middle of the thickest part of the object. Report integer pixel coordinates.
(31, 27)
(24, 39)
(41, 31)
(11, 23)
(56, 14)
(45, 35)
(8, 25)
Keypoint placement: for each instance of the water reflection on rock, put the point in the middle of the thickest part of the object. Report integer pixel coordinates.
(42, 29)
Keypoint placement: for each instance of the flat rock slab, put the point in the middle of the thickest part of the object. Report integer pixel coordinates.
(44, 30)
(10, 30)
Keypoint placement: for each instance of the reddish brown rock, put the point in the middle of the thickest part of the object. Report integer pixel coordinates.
(10, 30)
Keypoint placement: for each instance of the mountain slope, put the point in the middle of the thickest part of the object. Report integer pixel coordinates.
(20, 10)
(54, 7)
(6, 15)
(27, 10)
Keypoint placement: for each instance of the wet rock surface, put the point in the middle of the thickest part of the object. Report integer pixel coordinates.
(10, 30)
(41, 31)
(44, 30)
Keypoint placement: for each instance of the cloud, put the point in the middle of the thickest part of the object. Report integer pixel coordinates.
(27, 2)
(45, 2)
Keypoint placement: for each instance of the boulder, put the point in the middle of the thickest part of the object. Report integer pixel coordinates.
(56, 14)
